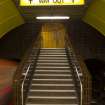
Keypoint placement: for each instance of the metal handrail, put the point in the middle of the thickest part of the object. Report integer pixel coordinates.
(19, 76)
(85, 81)
(22, 88)
(81, 85)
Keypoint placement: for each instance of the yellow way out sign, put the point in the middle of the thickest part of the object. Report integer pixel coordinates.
(50, 2)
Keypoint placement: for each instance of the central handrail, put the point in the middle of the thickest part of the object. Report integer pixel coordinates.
(22, 88)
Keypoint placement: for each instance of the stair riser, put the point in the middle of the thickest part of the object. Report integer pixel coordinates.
(53, 101)
(56, 64)
(53, 87)
(52, 72)
(52, 93)
(53, 82)
(52, 68)
(52, 58)
(52, 65)
(52, 77)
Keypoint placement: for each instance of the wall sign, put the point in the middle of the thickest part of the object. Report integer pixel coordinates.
(50, 2)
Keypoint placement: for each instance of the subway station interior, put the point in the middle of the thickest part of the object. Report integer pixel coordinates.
(52, 52)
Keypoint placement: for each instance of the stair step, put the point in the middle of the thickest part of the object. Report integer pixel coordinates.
(51, 61)
(52, 58)
(52, 67)
(52, 84)
(53, 87)
(52, 79)
(52, 93)
(53, 71)
(52, 55)
(62, 91)
(52, 100)
(44, 93)
(52, 76)
(54, 97)
(63, 75)
(57, 64)
(52, 48)
(52, 52)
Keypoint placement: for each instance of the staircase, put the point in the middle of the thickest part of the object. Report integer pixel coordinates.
(52, 82)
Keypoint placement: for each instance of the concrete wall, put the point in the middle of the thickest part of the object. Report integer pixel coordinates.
(95, 15)
(9, 17)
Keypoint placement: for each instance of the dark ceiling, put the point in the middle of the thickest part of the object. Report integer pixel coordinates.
(75, 12)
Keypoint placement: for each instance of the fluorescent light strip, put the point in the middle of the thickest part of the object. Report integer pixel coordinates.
(52, 17)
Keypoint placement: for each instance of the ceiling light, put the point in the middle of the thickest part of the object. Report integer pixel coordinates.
(52, 17)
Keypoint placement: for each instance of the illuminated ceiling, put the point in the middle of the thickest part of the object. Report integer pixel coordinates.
(30, 12)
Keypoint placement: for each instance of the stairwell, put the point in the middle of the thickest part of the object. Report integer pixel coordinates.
(52, 82)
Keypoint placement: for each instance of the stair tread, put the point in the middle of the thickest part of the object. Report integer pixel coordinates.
(52, 79)
(36, 90)
(63, 75)
(51, 58)
(53, 71)
(53, 97)
(52, 84)
(52, 55)
(53, 67)
(50, 63)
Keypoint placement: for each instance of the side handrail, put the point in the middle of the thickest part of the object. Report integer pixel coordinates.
(22, 87)
(78, 76)
(19, 76)
(81, 86)
(80, 82)
(84, 76)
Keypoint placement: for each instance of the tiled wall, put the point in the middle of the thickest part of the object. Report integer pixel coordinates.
(14, 44)
(87, 41)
